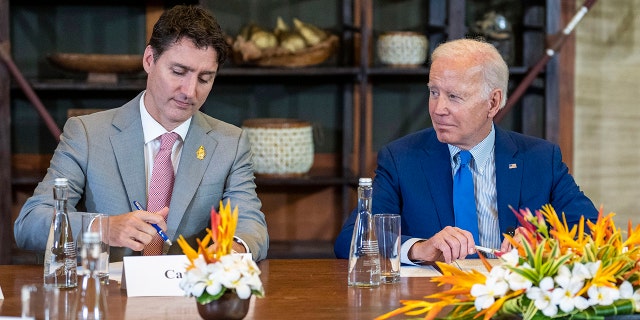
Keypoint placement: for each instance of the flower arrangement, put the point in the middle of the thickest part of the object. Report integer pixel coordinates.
(213, 269)
(553, 272)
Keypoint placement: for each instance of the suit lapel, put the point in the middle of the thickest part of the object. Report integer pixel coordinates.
(508, 178)
(128, 147)
(190, 170)
(437, 170)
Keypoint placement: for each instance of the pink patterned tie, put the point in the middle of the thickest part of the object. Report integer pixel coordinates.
(160, 187)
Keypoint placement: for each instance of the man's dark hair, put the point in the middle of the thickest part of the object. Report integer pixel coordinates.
(192, 22)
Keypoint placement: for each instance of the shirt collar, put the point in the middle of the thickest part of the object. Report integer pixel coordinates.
(152, 129)
(480, 152)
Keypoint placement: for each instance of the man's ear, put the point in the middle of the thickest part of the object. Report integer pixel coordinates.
(147, 58)
(495, 97)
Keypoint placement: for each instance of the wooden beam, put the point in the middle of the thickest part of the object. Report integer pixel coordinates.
(153, 13)
(6, 220)
(567, 86)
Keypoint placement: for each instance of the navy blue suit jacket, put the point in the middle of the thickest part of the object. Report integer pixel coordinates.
(414, 179)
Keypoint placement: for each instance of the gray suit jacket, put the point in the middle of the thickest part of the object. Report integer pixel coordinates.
(102, 155)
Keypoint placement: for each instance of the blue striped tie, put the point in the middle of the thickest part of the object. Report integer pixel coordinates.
(464, 200)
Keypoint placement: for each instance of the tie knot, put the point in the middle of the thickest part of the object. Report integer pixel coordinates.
(465, 157)
(168, 139)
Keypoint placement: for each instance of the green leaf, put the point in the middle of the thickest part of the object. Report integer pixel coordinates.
(206, 297)
(619, 307)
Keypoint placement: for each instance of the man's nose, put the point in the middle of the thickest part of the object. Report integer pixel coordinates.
(189, 86)
(437, 105)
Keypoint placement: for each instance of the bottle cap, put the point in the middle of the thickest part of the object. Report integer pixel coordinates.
(61, 181)
(364, 181)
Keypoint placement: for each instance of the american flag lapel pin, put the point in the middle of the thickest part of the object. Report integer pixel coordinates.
(513, 166)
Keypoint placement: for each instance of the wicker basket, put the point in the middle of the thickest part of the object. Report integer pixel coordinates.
(281, 147)
(402, 48)
(246, 53)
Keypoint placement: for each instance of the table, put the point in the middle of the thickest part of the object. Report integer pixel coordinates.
(294, 289)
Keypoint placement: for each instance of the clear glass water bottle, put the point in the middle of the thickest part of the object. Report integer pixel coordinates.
(91, 299)
(364, 258)
(60, 264)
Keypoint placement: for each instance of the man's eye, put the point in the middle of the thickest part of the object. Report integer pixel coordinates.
(178, 71)
(204, 80)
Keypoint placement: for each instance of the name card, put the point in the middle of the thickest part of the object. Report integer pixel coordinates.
(154, 276)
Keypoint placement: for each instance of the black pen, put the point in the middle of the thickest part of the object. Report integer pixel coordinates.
(160, 232)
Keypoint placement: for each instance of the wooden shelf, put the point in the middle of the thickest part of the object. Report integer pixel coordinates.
(307, 180)
(422, 71)
(288, 72)
(136, 84)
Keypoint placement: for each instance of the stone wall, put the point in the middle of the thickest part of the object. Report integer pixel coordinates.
(607, 109)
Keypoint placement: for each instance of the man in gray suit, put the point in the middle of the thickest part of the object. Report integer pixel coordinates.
(108, 156)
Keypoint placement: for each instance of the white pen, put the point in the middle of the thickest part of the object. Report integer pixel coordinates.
(495, 252)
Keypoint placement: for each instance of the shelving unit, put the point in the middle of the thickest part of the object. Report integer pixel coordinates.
(353, 80)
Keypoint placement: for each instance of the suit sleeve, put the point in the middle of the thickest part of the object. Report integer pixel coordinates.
(31, 228)
(240, 188)
(566, 195)
(386, 198)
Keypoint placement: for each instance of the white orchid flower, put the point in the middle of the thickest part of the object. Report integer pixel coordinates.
(592, 268)
(602, 295)
(542, 297)
(636, 300)
(517, 281)
(626, 290)
(234, 272)
(243, 290)
(495, 286)
(581, 271)
(511, 258)
(570, 283)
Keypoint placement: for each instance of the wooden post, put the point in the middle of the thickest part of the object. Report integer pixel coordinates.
(6, 221)
(153, 12)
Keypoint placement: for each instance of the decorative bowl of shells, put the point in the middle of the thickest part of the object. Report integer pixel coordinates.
(402, 48)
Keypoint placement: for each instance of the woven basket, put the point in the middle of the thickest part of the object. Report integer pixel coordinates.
(246, 53)
(281, 147)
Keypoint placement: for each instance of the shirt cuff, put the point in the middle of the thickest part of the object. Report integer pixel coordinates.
(404, 252)
(244, 244)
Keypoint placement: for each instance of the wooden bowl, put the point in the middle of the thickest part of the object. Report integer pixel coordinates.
(98, 63)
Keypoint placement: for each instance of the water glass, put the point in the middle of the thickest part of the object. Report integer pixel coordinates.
(387, 228)
(98, 223)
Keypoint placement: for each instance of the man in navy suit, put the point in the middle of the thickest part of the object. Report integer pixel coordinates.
(467, 87)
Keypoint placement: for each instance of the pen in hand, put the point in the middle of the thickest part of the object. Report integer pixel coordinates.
(495, 252)
(160, 232)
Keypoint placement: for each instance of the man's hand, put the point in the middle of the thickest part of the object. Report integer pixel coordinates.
(134, 230)
(450, 244)
(237, 247)
(517, 236)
